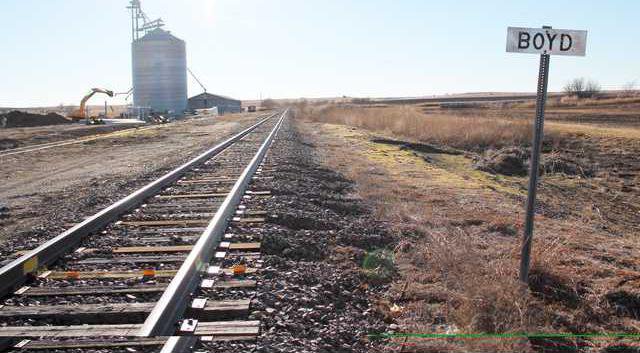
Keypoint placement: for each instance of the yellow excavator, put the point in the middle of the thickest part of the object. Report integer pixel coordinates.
(81, 113)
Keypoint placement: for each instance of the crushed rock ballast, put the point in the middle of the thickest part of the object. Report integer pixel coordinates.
(312, 295)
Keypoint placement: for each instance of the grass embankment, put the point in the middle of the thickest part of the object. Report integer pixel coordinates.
(463, 132)
(459, 229)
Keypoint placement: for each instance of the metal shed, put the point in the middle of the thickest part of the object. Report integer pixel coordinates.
(208, 100)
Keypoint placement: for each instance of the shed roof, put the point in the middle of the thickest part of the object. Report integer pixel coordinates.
(209, 95)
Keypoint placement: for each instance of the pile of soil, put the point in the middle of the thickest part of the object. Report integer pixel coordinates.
(558, 163)
(22, 119)
(515, 161)
(506, 161)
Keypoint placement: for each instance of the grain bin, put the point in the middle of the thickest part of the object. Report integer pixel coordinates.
(160, 72)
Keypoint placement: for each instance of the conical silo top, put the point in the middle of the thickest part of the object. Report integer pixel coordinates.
(159, 34)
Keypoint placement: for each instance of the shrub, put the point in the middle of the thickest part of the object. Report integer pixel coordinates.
(582, 88)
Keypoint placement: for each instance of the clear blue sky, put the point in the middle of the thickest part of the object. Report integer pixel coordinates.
(55, 50)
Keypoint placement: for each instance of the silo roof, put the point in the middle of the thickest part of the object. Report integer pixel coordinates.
(159, 34)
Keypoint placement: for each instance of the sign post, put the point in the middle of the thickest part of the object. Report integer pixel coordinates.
(545, 41)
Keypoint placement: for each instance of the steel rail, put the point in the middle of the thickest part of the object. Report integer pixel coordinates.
(173, 302)
(179, 344)
(18, 271)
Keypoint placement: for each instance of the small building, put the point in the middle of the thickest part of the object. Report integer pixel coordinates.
(207, 101)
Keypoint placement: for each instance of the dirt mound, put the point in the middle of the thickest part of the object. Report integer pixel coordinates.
(507, 161)
(515, 161)
(556, 163)
(22, 119)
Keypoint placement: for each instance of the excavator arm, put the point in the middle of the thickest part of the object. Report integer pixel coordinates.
(81, 113)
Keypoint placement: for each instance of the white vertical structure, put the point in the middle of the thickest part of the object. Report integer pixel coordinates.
(160, 72)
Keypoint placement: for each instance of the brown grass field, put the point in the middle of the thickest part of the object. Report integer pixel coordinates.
(459, 229)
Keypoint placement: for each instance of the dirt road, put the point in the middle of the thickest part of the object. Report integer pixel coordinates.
(46, 190)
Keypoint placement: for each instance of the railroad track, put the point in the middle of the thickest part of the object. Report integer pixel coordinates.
(154, 270)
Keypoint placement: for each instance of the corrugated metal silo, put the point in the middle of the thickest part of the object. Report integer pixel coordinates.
(160, 72)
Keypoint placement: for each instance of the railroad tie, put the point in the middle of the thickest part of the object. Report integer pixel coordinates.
(131, 260)
(248, 220)
(119, 312)
(62, 291)
(106, 274)
(48, 345)
(213, 330)
(165, 222)
(191, 196)
(140, 250)
(27, 291)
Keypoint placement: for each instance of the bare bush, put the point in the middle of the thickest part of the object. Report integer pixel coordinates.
(629, 89)
(582, 88)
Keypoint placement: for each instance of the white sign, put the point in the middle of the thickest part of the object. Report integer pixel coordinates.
(546, 41)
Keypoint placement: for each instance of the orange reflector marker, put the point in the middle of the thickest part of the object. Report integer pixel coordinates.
(149, 272)
(73, 274)
(239, 269)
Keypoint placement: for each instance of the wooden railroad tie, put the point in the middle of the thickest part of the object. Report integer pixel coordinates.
(62, 291)
(71, 331)
(247, 213)
(193, 231)
(191, 196)
(120, 312)
(216, 330)
(228, 284)
(244, 246)
(65, 275)
(175, 248)
(166, 222)
(141, 288)
(152, 249)
(208, 181)
(226, 328)
(196, 205)
(106, 274)
(248, 220)
(258, 193)
(47, 345)
(136, 250)
(132, 260)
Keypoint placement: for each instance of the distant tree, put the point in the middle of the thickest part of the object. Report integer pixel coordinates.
(630, 89)
(582, 88)
(592, 89)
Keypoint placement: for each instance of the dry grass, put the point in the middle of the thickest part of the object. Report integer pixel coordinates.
(463, 132)
(459, 242)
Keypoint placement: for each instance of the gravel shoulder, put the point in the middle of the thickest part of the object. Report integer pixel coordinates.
(313, 294)
(43, 192)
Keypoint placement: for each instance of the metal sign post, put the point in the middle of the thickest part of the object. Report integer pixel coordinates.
(536, 147)
(543, 41)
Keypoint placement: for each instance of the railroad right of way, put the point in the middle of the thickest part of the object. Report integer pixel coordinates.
(284, 275)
